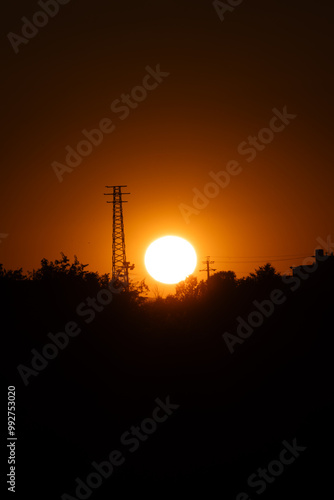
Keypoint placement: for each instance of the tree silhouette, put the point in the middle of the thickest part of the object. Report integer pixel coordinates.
(137, 289)
(61, 269)
(223, 280)
(264, 273)
(16, 275)
(187, 289)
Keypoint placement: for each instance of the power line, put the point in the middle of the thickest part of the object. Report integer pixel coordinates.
(257, 256)
(255, 261)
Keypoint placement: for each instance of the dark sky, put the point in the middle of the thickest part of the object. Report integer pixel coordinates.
(225, 79)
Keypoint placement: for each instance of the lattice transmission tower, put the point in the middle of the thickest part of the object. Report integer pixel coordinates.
(120, 266)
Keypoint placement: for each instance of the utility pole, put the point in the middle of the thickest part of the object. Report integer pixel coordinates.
(120, 266)
(208, 268)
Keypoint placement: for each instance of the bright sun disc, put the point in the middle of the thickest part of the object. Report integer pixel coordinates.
(170, 259)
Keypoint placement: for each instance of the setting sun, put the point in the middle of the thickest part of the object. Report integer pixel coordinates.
(170, 259)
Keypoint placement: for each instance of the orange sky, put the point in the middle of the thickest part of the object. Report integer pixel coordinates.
(224, 80)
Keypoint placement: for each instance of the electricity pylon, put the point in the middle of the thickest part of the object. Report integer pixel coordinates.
(120, 266)
(208, 268)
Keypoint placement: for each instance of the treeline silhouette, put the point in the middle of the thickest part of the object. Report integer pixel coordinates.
(233, 407)
(73, 281)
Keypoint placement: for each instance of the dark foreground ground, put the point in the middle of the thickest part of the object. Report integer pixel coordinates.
(231, 414)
